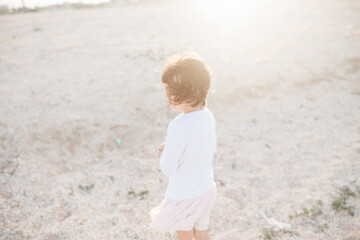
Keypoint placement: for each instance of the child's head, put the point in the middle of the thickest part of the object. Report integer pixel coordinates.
(187, 80)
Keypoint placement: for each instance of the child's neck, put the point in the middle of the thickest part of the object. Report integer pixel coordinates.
(192, 109)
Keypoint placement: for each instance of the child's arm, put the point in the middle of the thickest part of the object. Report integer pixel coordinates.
(175, 144)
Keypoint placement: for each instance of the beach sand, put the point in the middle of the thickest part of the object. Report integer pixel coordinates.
(285, 96)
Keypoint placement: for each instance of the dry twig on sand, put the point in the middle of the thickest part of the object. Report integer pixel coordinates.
(285, 227)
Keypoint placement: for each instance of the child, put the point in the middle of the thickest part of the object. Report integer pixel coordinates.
(187, 156)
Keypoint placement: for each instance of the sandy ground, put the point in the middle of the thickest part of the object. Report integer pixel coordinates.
(285, 95)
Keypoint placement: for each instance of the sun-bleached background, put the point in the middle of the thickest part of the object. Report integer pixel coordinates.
(83, 112)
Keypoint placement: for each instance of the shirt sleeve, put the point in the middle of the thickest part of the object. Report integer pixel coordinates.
(214, 134)
(174, 147)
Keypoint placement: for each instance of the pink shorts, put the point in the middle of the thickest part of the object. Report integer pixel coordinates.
(183, 214)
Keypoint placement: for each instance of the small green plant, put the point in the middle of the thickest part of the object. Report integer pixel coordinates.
(340, 202)
(268, 234)
(347, 192)
(271, 233)
(87, 188)
(305, 211)
(314, 211)
(141, 194)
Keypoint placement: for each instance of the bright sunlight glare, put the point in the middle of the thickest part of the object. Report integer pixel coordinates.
(232, 9)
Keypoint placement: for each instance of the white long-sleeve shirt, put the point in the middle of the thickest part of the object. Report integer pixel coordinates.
(188, 154)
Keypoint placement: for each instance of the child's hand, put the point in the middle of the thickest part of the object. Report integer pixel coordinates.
(160, 149)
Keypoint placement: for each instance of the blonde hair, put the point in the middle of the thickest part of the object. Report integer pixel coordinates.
(187, 78)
